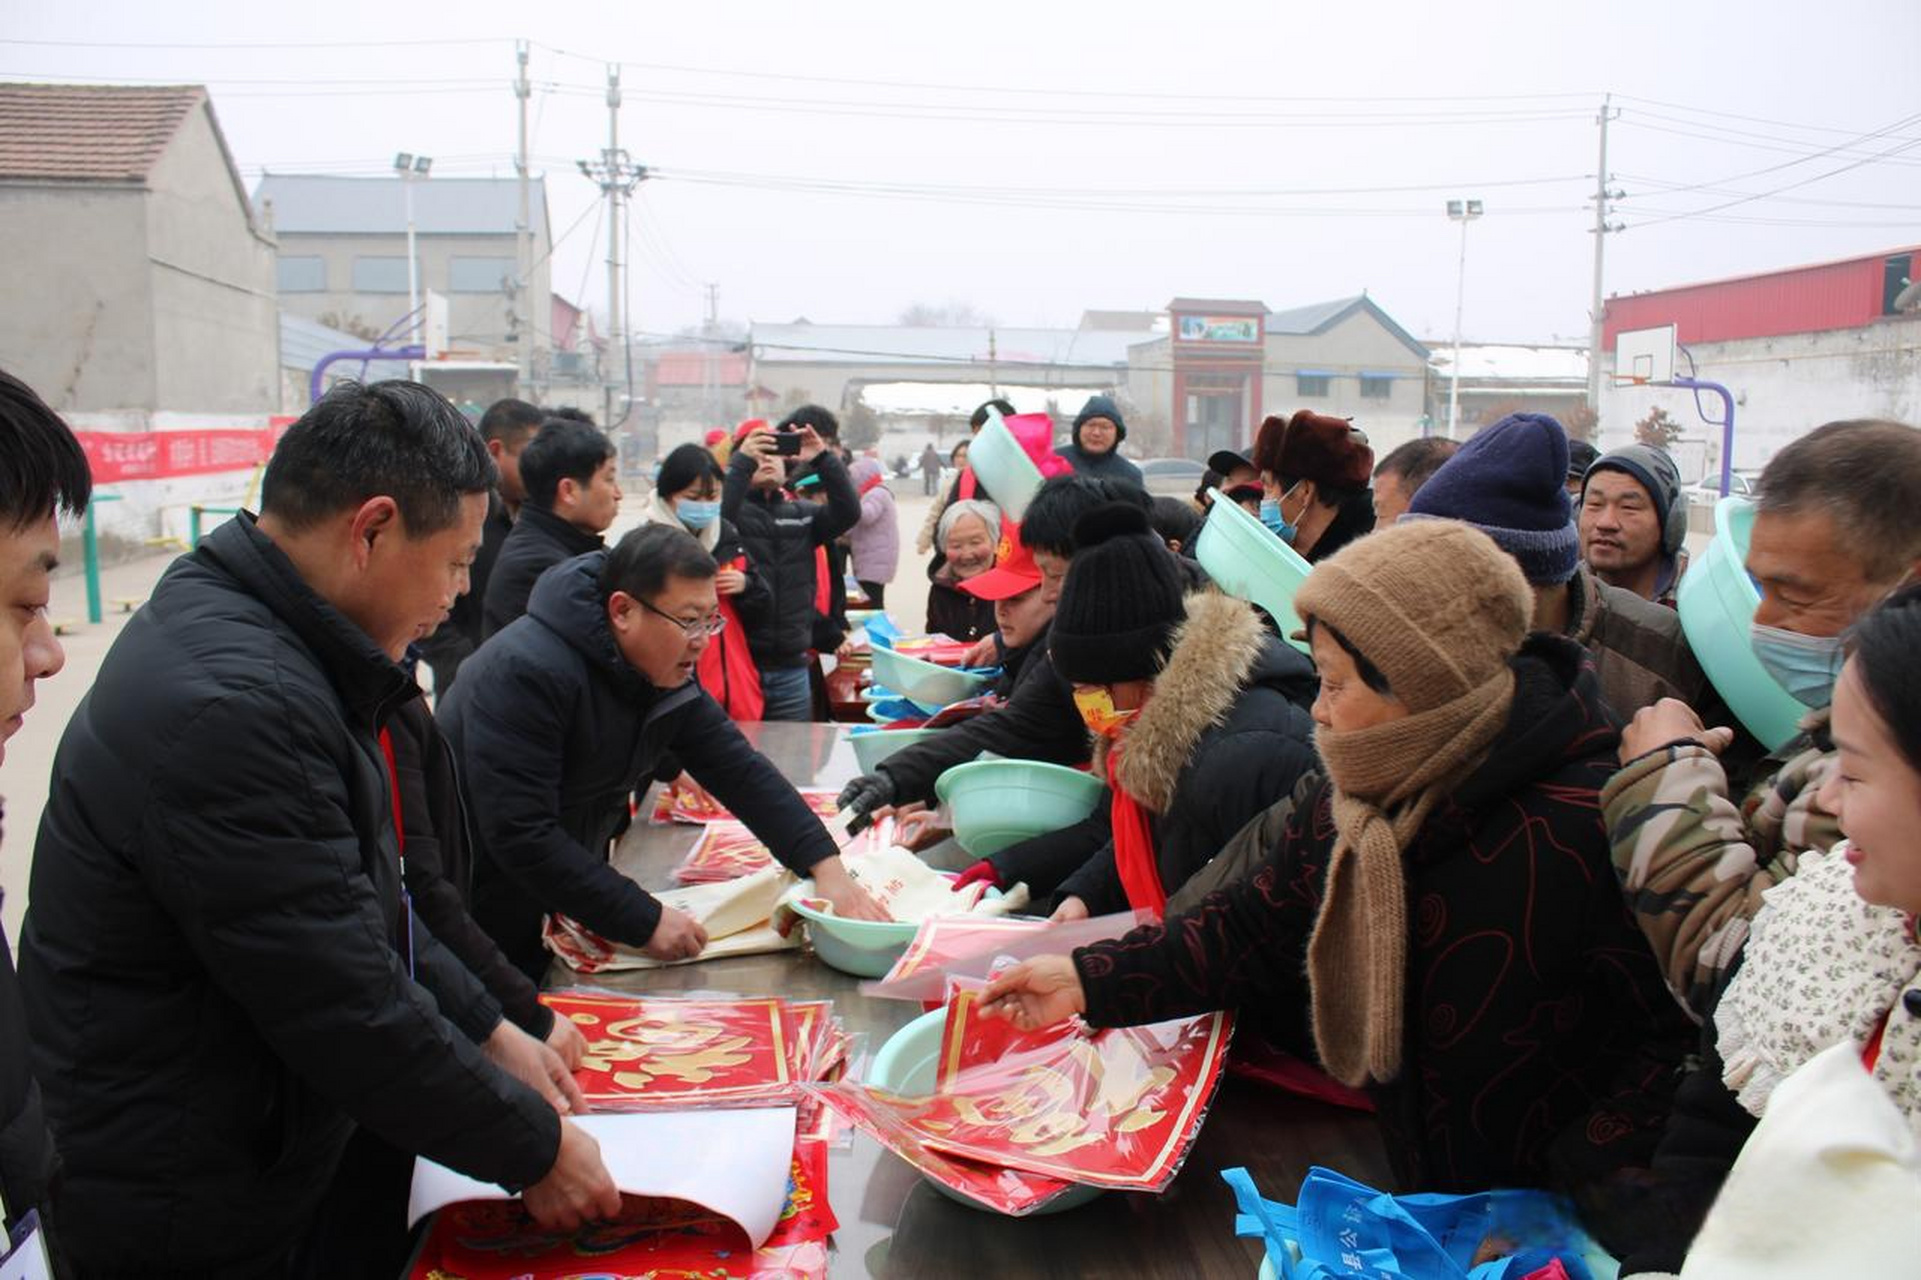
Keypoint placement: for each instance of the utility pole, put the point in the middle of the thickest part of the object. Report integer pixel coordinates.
(524, 236)
(1602, 227)
(617, 176)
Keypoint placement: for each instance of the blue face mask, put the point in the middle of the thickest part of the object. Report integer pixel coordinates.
(697, 515)
(1805, 666)
(1280, 525)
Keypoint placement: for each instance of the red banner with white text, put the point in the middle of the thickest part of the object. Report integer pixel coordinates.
(161, 455)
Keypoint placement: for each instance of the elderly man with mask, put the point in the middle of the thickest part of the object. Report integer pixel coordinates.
(1834, 533)
(1633, 520)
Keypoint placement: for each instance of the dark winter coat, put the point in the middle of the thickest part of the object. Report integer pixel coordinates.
(956, 613)
(1039, 722)
(1355, 519)
(1225, 735)
(459, 635)
(438, 842)
(539, 541)
(1535, 1010)
(1104, 466)
(780, 533)
(552, 735)
(26, 1150)
(214, 976)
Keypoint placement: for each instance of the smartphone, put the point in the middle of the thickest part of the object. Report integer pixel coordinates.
(787, 444)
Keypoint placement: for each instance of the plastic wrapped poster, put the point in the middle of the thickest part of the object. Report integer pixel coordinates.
(886, 1118)
(686, 801)
(972, 947)
(727, 850)
(1117, 1108)
(647, 1053)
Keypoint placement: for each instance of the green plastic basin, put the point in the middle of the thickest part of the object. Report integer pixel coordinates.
(995, 803)
(1248, 562)
(1716, 602)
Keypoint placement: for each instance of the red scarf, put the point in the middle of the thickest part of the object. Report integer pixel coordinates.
(969, 483)
(1134, 856)
(872, 483)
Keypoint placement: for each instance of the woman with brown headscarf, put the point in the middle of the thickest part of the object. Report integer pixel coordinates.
(1439, 924)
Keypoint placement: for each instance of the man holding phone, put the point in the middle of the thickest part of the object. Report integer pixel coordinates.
(783, 534)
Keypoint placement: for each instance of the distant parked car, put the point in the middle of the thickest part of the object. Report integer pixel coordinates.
(1741, 484)
(1175, 477)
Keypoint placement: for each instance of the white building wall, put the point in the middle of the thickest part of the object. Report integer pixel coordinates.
(1783, 387)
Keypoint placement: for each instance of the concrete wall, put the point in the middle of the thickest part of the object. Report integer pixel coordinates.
(476, 322)
(1783, 387)
(76, 295)
(1355, 344)
(149, 509)
(828, 384)
(216, 335)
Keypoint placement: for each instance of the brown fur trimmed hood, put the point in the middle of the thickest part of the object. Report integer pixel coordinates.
(1215, 652)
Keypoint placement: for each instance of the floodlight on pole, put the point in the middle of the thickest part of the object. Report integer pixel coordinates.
(410, 166)
(1463, 212)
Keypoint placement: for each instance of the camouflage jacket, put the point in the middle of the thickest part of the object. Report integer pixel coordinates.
(1695, 866)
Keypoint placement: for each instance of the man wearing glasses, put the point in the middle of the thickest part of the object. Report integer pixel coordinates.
(559, 717)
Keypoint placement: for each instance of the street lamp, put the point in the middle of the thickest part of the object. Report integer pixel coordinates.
(409, 167)
(1463, 212)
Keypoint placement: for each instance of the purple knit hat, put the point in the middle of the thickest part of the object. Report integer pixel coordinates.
(1510, 482)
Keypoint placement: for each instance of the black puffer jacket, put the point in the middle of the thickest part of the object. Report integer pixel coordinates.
(539, 541)
(1225, 735)
(780, 533)
(552, 733)
(1539, 1034)
(459, 635)
(211, 963)
(1039, 722)
(26, 1150)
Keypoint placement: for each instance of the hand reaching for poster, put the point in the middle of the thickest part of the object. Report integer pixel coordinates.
(577, 1189)
(536, 1066)
(1036, 993)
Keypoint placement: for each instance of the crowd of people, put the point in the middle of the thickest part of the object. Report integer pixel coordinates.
(1481, 845)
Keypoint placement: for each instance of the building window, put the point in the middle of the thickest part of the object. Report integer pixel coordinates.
(1312, 384)
(303, 275)
(1376, 387)
(380, 275)
(479, 275)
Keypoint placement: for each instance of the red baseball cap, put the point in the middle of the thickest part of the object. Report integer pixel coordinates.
(1014, 572)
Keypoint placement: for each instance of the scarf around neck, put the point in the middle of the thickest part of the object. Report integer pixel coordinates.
(1386, 780)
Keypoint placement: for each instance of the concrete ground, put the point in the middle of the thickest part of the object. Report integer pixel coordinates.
(25, 774)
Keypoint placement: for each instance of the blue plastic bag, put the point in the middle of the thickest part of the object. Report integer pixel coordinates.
(1344, 1228)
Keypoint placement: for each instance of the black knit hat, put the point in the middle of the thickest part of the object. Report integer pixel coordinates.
(1121, 602)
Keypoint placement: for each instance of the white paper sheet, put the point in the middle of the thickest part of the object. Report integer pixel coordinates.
(735, 1163)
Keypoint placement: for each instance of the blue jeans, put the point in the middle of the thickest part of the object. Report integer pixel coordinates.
(787, 694)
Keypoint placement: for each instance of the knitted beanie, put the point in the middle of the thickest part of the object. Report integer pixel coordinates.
(1439, 610)
(1654, 469)
(1121, 603)
(1510, 482)
(1101, 407)
(1432, 604)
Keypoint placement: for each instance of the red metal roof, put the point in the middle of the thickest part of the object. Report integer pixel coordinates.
(1827, 295)
(89, 132)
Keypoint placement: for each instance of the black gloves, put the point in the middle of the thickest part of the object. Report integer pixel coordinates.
(865, 794)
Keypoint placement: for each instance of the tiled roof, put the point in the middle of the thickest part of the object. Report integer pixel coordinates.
(89, 132)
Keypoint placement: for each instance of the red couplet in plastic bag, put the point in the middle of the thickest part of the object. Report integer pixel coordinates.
(658, 1052)
(1117, 1108)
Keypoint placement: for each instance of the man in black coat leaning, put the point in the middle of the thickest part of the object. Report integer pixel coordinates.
(570, 470)
(42, 474)
(572, 707)
(507, 427)
(222, 974)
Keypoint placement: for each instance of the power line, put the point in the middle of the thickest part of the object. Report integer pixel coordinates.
(258, 44)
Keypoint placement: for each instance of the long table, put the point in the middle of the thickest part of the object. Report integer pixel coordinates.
(894, 1224)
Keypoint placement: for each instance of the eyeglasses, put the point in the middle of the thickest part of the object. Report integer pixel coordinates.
(697, 629)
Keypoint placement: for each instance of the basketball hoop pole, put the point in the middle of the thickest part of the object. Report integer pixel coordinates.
(1727, 425)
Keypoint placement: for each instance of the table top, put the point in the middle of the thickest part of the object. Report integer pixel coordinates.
(893, 1224)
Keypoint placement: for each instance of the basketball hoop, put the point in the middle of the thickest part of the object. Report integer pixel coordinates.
(1643, 356)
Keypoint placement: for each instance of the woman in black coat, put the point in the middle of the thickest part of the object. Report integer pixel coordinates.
(1440, 923)
(968, 536)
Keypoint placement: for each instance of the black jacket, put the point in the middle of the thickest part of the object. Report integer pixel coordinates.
(26, 1150)
(552, 733)
(539, 541)
(1535, 1012)
(437, 839)
(780, 533)
(957, 614)
(1039, 722)
(459, 635)
(1225, 735)
(211, 960)
(1104, 466)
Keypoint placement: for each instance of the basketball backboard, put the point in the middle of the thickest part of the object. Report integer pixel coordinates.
(1644, 356)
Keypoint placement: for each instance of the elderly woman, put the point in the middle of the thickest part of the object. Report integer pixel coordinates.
(969, 533)
(1439, 924)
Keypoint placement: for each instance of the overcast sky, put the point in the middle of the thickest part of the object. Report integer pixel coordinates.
(842, 161)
